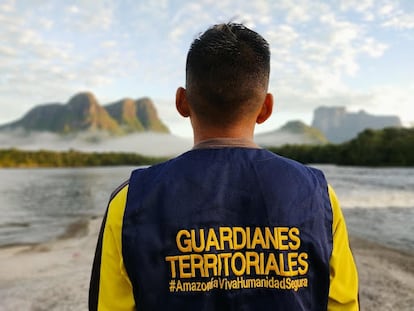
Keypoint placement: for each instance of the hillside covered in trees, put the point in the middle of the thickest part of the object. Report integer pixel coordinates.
(83, 113)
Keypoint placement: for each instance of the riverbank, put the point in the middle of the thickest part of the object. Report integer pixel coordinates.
(55, 275)
(386, 276)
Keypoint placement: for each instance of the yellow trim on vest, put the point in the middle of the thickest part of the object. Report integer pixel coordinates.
(343, 290)
(115, 289)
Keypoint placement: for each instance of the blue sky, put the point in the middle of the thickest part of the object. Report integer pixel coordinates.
(353, 53)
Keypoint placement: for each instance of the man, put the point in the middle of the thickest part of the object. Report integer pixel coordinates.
(227, 225)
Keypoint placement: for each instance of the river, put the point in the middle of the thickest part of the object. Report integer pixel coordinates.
(37, 205)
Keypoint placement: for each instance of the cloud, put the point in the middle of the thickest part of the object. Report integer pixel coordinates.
(262, 11)
(364, 7)
(7, 51)
(386, 10)
(11, 23)
(109, 44)
(373, 48)
(395, 15)
(90, 16)
(387, 98)
(357, 5)
(73, 9)
(189, 16)
(401, 21)
(46, 24)
(7, 6)
(340, 32)
(297, 13)
(314, 63)
(282, 36)
(315, 51)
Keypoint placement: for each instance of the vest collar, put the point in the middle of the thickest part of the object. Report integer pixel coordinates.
(225, 142)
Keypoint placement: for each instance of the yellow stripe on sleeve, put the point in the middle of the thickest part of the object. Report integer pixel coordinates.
(115, 290)
(343, 290)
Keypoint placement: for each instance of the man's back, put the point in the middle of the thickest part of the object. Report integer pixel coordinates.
(231, 229)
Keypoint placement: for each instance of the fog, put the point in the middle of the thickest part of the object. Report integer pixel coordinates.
(149, 144)
(279, 138)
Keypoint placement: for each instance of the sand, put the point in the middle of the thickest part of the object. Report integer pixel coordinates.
(55, 275)
(49, 276)
(386, 276)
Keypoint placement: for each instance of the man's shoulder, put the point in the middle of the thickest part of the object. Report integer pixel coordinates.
(287, 167)
(288, 161)
(119, 189)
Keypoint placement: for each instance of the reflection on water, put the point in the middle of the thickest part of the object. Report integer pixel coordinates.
(38, 204)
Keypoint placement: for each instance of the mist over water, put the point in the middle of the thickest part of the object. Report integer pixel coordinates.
(148, 143)
(280, 138)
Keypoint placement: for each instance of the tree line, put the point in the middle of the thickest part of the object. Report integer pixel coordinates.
(72, 158)
(387, 147)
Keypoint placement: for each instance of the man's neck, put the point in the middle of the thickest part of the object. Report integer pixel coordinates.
(225, 142)
(243, 132)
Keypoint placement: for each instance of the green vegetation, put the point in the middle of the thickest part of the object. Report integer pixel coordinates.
(387, 147)
(72, 158)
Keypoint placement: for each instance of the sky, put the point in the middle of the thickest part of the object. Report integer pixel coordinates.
(352, 53)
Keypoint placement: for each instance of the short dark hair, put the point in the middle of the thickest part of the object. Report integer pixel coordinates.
(227, 67)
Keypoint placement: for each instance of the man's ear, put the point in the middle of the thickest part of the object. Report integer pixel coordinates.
(181, 102)
(266, 110)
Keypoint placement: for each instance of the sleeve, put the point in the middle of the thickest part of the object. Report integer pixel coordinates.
(343, 290)
(110, 287)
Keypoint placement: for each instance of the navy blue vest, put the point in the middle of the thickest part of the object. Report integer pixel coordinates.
(228, 229)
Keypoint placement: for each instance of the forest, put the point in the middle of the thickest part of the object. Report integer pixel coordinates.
(71, 158)
(387, 147)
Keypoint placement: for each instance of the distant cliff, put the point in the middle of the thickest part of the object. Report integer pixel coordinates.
(136, 115)
(339, 126)
(84, 113)
(292, 133)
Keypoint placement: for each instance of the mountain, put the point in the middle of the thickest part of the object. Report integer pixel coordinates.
(136, 115)
(83, 113)
(292, 133)
(339, 125)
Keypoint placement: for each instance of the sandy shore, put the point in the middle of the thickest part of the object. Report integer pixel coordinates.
(386, 277)
(55, 275)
